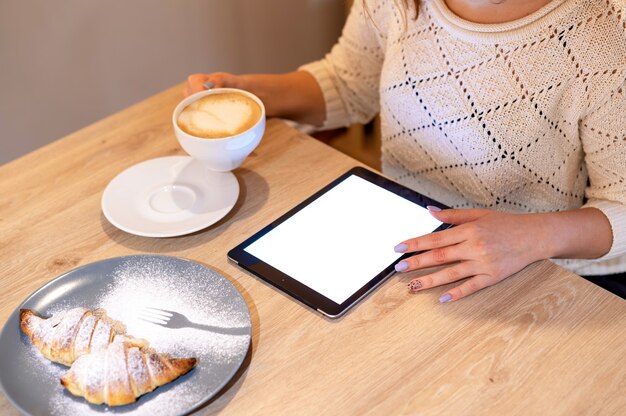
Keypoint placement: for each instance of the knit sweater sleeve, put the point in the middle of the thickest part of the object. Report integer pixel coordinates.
(349, 75)
(603, 134)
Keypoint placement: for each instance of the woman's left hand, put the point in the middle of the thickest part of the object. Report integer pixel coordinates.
(485, 248)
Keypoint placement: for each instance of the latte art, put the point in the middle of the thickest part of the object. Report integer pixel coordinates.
(221, 115)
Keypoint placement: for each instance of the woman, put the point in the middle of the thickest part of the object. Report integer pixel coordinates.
(512, 112)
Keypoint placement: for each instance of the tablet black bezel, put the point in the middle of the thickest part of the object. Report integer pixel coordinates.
(303, 293)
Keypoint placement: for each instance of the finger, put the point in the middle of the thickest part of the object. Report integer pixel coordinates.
(443, 277)
(195, 83)
(471, 285)
(433, 240)
(457, 216)
(434, 257)
(220, 80)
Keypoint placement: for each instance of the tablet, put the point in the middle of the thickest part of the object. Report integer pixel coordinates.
(335, 247)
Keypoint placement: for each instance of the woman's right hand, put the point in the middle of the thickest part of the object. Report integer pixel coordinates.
(201, 82)
(294, 95)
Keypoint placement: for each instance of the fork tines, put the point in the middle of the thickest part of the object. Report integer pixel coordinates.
(155, 315)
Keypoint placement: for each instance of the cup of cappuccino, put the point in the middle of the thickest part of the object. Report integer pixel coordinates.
(220, 127)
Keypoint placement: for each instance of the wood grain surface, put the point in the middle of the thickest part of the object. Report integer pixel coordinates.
(542, 342)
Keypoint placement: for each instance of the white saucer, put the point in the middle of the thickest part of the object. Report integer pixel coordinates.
(168, 197)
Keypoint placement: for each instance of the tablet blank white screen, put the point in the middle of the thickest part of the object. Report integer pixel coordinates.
(343, 239)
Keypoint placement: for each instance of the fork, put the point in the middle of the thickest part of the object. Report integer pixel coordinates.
(176, 320)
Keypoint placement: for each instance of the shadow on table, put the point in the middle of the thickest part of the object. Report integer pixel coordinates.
(248, 180)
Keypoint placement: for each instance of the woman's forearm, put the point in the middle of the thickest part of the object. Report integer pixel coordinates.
(294, 95)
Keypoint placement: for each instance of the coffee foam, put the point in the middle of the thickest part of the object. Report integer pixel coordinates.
(219, 115)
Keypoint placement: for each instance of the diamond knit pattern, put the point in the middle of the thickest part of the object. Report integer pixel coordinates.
(526, 116)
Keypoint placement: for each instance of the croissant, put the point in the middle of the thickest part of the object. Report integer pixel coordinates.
(69, 334)
(121, 373)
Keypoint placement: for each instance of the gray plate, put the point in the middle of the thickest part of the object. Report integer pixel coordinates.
(219, 335)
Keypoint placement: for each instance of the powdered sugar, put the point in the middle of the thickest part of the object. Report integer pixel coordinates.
(192, 293)
(202, 296)
(83, 336)
(101, 336)
(42, 367)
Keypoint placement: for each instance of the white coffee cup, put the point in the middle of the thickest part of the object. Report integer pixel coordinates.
(222, 153)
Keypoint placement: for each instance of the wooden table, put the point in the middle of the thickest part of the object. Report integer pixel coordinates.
(542, 342)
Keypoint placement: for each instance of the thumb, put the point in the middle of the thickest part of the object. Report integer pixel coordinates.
(194, 84)
(456, 216)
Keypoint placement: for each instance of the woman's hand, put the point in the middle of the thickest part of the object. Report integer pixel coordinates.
(201, 82)
(485, 247)
(294, 95)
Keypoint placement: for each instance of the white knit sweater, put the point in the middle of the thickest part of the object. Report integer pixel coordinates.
(525, 116)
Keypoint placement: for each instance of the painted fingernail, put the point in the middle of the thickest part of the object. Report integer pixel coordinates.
(445, 298)
(415, 285)
(433, 208)
(402, 266)
(401, 248)
(208, 85)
